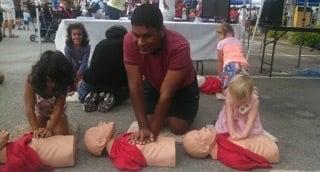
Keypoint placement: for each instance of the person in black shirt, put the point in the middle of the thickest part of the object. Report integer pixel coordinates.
(105, 82)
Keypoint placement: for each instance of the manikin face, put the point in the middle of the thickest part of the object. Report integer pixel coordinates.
(198, 143)
(147, 39)
(76, 36)
(96, 138)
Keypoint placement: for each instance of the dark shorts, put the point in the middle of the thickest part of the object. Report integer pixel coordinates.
(185, 103)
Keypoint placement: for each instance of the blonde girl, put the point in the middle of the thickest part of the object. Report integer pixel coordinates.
(240, 115)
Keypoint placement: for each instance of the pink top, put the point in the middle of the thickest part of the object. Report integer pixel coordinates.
(232, 51)
(173, 55)
(44, 107)
(240, 115)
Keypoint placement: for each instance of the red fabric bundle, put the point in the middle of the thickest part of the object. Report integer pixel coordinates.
(22, 158)
(237, 157)
(212, 85)
(126, 156)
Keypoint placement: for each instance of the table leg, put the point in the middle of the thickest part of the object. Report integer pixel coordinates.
(197, 66)
(201, 64)
(272, 55)
(300, 50)
(263, 51)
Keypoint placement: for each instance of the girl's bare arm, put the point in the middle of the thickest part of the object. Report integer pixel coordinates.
(57, 112)
(220, 62)
(229, 116)
(251, 119)
(29, 102)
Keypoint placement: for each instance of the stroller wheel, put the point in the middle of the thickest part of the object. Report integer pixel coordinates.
(32, 37)
(52, 37)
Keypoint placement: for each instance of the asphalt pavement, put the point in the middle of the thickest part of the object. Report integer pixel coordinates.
(289, 108)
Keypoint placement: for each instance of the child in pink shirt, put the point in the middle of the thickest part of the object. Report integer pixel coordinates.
(230, 55)
(240, 115)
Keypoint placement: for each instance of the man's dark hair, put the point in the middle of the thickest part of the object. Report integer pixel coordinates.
(116, 32)
(147, 15)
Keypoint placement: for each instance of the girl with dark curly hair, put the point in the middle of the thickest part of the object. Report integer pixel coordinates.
(45, 94)
(77, 49)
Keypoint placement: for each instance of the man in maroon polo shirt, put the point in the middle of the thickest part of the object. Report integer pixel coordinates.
(162, 80)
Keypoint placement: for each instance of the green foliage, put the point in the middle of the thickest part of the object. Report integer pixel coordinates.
(308, 38)
(296, 37)
(273, 34)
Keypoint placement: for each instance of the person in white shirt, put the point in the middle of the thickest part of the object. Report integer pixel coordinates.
(8, 17)
(167, 8)
(97, 9)
(26, 19)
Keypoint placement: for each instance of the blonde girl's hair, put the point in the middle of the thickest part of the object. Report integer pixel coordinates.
(241, 86)
(225, 29)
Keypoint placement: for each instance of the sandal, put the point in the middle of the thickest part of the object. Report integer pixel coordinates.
(14, 36)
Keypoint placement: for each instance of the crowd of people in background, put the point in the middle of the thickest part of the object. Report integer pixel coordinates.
(22, 13)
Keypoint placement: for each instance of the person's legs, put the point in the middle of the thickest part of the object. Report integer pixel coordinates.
(111, 99)
(10, 25)
(121, 95)
(4, 25)
(184, 108)
(178, 126)
(11, 17)
(62, 127)
(84, 90)
(229, 71)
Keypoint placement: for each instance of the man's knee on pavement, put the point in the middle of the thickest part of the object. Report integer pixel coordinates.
(178, 126)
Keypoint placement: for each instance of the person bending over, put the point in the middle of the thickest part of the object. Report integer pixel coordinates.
(105, 82)
(162, 80)
(45, 93)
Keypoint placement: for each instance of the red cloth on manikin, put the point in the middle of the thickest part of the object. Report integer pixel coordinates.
(237, 157)
(22, 158)
(212, 85)
(126, 156)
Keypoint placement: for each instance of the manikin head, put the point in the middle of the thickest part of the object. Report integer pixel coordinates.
(96, 138)
(199, 143)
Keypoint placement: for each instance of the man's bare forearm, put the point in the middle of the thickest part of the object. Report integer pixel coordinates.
(160, 114)
(138, 106)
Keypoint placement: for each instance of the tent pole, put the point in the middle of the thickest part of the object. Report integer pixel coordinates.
(37, 3)
(255, 29)
(249, 27)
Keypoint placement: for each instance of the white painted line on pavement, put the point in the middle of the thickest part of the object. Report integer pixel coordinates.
(288, 55)
(286, 77)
